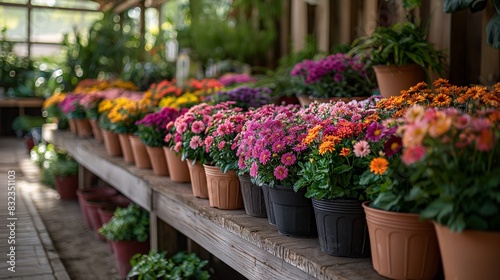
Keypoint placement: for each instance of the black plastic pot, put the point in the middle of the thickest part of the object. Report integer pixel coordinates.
(269, 205)
(253, 198)
(293, 212)
(342, 229)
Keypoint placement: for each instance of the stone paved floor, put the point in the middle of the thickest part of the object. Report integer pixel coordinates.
(35, 255)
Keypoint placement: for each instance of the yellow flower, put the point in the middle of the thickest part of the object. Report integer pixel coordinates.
(379, 165)
(326, 146)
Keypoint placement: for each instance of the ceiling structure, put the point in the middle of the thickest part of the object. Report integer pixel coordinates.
(119, 6)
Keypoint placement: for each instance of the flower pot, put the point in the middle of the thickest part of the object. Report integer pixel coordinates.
(224, 190)
(342, 228)
(470, 254)
(306, 100)
(95, 193)
(96, 131)
(83, 128)
(66, 186)
(198, 179)
(293, 212)
(72, 126)
(93, 204)
(392, 79)
(402, 246)
(158, 160)
(269, 205)
(120, 200)
(105, 214)
(141, 156)
(253, 197)
(285, 100)
(127, 153)
(177, 169)
(124, 250)
(29, 143)
(111, 143)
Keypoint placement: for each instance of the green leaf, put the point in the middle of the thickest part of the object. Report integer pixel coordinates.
(488, 209)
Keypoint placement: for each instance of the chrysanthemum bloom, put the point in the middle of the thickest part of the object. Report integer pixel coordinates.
(280, 172)
(195, 142)
(264, 157)
(254, 168)
(379, 165)
(375, 132)
(288, 159)
(345, 152)
(392, 146)
(413, 154)
(361, 148)
(441, 100)
(326, 146)
(197, 127)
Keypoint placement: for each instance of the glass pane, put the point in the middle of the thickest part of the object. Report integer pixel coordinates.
(49, 25)
(14, 1)
(21, 49)
(78, 4)
(45, 50)
(16, 21)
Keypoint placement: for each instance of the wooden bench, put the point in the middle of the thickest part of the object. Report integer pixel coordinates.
(250, 245)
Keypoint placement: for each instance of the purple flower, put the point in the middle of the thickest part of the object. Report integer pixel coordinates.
(375, 132)
(264, 156)
(288, 159)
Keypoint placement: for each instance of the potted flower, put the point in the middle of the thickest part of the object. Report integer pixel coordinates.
(224, 190)
(155, 265)
(53, 112)
(65, 172)
(110, 139)
(455, 159)
(190, 133)
(400, 56)
(334, 77)
(151, 130)
(128, 232)
(270, 150)
(75, 113)
(244, 97)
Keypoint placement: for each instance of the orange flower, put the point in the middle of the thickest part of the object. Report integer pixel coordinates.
(312, 134)
(441, 83)
(441, 100)
(379, 165)
(326, 146)
(345, 152)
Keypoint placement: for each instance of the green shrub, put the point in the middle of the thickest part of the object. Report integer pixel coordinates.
(127, 224)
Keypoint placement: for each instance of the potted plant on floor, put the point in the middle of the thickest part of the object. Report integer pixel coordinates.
(401, 55)
(331, 176)
(455, 161)
(65, 172)
(128, 232)
(269, 151)
(156, 265)
(152, 130)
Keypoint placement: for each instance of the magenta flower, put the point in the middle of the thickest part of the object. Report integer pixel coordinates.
(221, 145)
(265, 156)
(197, 127)
(392, 146)
(375, 132)
(288, 159)
(254, 169)
(278, 146)
(280, 172)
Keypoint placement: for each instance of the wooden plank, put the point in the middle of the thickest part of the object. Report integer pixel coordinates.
(299, 24)
(323, 25)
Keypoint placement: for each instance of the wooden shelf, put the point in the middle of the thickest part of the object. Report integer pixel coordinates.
(250, 245)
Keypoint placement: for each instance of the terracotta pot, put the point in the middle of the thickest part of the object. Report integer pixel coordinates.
(93, 204)
(96, 193)
(96, 131)
(306, 100)
(124, 250)
(224, 190)
(83, 128)
(141, 156)
(470, 254)
(121, 200)
(177, 169)
(198, 179)
(392, 79)
(72, 126)
(66, 186)
(127, 153)
(106, 213)
(158, 160)
(112, 143)
(402, 246)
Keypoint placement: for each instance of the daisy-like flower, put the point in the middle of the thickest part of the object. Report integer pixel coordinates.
(441, 100)
(375, 132)
(265, 156)
(254, 168)
(195, 142)
(278, 146)
(280, 172)
(392, 146)
(288, 159)
(345, 152)
(326, 147)
(379, 165)
(197, 127)
(361, 148)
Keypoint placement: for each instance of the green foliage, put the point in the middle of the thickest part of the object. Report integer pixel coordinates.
(46, 156)
(403, 43)
(26, 123)
(156, 266)
(151, 136)
(127, 224)
(63, 165)
(13, 69)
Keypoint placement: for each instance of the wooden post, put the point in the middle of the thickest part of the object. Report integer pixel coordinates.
(323, 24)
(85, 177)
(345, 22)
(370, 16)
(299, 24)
(285, 28)
(439, 29)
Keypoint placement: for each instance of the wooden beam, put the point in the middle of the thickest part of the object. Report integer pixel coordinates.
(345, 22)
(125, 5)
(299, 24)
(370, 16)
(323, 25)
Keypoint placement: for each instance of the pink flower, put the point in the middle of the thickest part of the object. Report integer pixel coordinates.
(241, 163)
(195, 142)
(221, 145)
(413, 154)
(462, 121)
(168, 137)
(208, 142)
(181, 127)
(361, 148)
(280, 172)
(485, 140)
(288, 159)
(254, 168)
(177, 146)
(265, 156)
(278, 146)
(198, 127)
